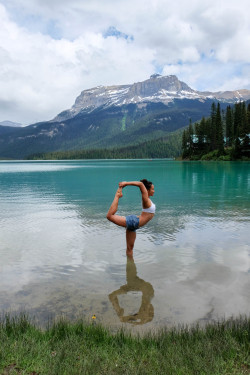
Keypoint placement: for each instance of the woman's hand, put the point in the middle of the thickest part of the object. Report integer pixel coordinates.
(122, 184)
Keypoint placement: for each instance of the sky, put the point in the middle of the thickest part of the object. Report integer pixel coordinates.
(51, 50)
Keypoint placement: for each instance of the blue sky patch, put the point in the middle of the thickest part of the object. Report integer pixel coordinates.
(112, 31)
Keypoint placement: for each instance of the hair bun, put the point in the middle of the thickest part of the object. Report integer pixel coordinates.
(146, 183)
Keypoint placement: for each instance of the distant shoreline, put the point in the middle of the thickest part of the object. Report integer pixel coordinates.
(128, 159)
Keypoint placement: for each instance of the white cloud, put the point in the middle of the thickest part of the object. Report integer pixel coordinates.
(42, 76)
(51, 51)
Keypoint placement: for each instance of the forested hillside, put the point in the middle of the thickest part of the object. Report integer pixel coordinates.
(165, 147)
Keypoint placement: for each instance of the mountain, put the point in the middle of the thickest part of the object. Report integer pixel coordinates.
(10, 123)
(157, 89)
(7, 127)
(117, 116)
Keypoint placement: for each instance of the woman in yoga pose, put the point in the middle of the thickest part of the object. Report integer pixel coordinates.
(133, 222)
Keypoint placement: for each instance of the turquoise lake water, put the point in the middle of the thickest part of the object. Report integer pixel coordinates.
(60, 255)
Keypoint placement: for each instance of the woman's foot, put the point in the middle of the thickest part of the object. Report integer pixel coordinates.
(119, 193)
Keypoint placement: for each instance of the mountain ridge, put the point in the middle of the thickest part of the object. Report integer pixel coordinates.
(116, 116)
(11, 124)
(157, 88)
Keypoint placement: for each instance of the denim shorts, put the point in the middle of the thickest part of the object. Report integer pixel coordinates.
(132, 222)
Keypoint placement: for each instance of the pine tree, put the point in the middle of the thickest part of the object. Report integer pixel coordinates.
(219, 141)
(208, 133)
(213, 127)
(190, 138)
(243, 126)
(184, 143)
(229, 126)
(248, 119)
(237, 120)
(200, 132)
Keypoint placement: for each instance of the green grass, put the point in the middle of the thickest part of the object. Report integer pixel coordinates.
(81, 348)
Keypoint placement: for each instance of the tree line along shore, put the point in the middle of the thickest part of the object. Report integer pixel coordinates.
(83, 348)
(225, 135)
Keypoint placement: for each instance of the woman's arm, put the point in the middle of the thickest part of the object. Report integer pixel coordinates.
(133, 183)
(139, 184)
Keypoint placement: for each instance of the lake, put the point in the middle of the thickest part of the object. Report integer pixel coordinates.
(59, 255)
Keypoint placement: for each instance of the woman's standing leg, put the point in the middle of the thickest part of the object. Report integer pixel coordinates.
(111, 215)
(130, 238)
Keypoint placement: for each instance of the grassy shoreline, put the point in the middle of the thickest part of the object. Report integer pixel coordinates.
(81, 348)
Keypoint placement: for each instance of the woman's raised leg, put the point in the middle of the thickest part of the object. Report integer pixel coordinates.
(111, 215)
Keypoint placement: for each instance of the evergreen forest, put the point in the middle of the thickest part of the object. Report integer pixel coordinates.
(164, 147)
(225, 135)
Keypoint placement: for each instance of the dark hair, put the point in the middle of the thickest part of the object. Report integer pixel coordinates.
(147, 183)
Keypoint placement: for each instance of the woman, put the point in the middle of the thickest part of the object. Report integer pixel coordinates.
(133, 222)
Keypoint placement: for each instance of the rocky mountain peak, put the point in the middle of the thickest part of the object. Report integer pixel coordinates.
(157, 88)
(159, 84)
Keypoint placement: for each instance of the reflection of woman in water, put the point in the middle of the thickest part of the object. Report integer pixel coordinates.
(135, 284)
(133, 222)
